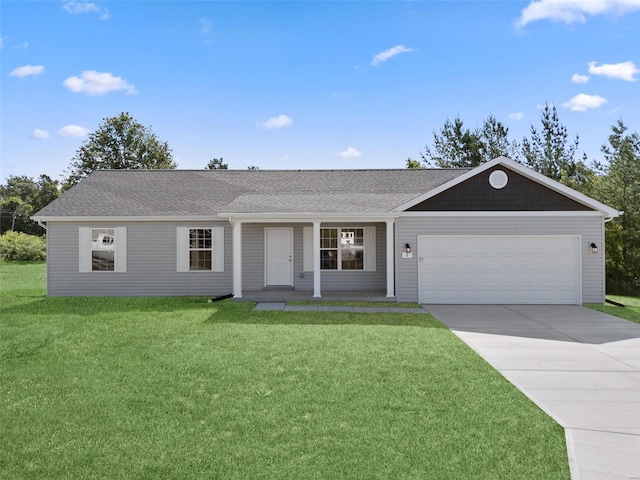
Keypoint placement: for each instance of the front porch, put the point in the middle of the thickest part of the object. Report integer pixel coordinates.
(280, 257)
(283, 295)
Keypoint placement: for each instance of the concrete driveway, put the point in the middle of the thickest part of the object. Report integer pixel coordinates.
(580, 366)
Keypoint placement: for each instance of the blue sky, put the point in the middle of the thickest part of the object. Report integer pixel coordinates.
(304, 84)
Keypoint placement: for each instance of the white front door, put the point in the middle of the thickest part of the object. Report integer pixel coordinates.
(278, 257)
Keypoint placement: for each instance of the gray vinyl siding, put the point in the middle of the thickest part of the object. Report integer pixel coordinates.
(253, 261)
(151, 263)
(590, 228)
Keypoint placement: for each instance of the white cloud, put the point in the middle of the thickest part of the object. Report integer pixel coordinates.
(516, 116)
(206, 29)
(73, 131)
(387, 54)
(577, 78)
(276, 122)
(583, 102)
(350, 153)
(622, 71)
(206, 26)
(27, 70)
(77, 8)
(97, 83)
(40, 134)
(574, 11)
(20, 46)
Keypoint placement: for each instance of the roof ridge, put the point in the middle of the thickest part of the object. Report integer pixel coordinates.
(206, 170)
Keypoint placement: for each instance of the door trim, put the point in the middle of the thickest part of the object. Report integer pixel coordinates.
(266, 256)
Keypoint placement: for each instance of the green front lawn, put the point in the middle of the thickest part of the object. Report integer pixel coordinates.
(630, 311)
(151, 388)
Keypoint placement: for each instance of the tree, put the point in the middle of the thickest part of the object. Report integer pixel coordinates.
(22, 196)
(494, 140)
(252, 167)
(457, 146)
(217, 164)
(119, 143)
(15, 215)
(620, 188)
(413, 164)
(550, 153)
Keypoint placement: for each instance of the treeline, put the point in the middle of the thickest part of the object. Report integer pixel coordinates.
(121, 142)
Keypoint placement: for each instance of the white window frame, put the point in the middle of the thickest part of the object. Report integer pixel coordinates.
(184, 248)
(87, 247)
(369, 248)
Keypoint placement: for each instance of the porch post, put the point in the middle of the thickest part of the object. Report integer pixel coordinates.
(316, 260)
(237, 259)
(390, 259)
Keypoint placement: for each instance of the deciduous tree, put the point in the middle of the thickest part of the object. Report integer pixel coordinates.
(412, 164)
(22, 196)
(217, 164)
(119, 143)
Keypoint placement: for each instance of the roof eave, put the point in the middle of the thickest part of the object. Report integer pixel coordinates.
(237, 216)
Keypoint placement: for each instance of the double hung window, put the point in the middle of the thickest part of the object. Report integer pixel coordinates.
(103, 249)
(200, 249)
(103, 244)
(328, 248)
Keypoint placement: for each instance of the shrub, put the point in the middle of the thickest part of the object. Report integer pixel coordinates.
(20, 246)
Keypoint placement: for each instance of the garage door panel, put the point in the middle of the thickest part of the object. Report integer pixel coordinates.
(499, 269)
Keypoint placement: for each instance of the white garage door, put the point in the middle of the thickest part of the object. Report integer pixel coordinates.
(499, 269)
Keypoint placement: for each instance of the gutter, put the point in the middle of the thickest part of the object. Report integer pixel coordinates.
(608, 219)
(41, 223)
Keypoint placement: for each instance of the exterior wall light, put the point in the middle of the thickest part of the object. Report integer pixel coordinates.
(407, 248)
(594, 248)
(406, 253)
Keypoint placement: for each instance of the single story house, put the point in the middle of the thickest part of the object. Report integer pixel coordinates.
(498, 233)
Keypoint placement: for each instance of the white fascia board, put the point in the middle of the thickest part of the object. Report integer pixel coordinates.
(524, 171)
(306, 217)
(170, 218)
(230, 217)
(510, 213)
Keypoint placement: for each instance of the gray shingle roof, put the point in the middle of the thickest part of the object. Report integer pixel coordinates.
(206, 192)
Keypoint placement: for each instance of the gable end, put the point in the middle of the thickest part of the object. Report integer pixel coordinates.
(519, 194)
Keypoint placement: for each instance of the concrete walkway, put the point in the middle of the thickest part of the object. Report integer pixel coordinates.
(580, 366)
(282, 306)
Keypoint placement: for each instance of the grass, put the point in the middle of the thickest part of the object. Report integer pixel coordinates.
(151, 388)
(630, 311)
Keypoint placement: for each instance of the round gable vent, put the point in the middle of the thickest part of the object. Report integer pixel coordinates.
(498, 179)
